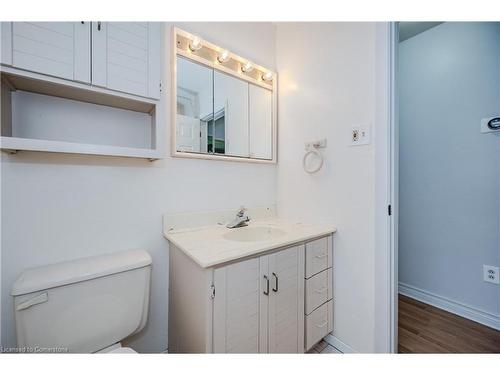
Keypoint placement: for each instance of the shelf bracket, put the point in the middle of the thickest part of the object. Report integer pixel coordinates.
(8, 83)
(10, 152)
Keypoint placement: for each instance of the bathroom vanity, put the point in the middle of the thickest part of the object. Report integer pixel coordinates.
(263, 288)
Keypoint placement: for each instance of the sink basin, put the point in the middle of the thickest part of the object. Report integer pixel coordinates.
(250, 234)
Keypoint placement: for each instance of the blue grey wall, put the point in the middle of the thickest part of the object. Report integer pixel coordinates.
(449, 172)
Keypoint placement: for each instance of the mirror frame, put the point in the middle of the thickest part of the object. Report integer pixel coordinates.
(208, 57)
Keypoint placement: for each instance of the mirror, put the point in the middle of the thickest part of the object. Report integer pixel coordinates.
(231, 110)
(261, 120)
(194, 107)
(220, 115)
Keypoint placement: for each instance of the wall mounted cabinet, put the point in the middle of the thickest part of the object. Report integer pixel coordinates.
(114, 65)
(59, 49)
(121, 56)
(222, 109)
(126, 57)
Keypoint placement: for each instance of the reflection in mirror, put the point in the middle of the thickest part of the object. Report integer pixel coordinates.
(261, 122)
(231, 113)
(195, 128)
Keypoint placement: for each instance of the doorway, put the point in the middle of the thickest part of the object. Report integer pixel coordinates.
(447, 180)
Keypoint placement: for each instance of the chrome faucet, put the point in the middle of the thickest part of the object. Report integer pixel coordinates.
(241, 220)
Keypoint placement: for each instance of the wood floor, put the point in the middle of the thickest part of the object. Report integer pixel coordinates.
(426, 329)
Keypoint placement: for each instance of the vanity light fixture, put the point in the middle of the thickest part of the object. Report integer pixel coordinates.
(223, 56)
(195, 45)
(268, 76)
(247, 68)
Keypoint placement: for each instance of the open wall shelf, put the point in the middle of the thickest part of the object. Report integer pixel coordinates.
(13, 144)
(36, 116)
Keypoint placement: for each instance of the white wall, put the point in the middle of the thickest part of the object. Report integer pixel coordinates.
(327, 85)
(62, 207)
(449, 172)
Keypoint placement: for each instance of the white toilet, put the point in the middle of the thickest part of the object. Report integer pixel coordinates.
(83, 306)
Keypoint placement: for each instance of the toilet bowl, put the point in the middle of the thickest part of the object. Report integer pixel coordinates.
(84, 306)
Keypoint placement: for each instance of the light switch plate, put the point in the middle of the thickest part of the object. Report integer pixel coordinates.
(360, 135)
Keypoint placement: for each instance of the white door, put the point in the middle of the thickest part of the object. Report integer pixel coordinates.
(286, 301)
(60, 49)
(188, 133)
(231, 97)
(237, 308)
(126, 57)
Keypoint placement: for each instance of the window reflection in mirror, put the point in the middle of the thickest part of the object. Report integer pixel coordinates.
(194, 107)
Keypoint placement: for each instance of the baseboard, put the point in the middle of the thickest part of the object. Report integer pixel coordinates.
(454, 307)
(339, 344)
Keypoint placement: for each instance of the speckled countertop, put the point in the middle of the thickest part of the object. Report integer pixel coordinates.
(208, 246)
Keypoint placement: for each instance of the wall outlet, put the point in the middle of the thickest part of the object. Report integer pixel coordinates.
(360, 135)
(491, 274)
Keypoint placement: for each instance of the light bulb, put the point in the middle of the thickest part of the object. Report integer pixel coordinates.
(268, 76)
(196, 44)
(223, 56)
(247, 68)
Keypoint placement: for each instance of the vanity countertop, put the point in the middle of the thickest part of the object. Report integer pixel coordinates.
(208, 247)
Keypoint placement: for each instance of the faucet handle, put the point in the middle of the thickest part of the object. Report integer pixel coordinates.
(241, 211)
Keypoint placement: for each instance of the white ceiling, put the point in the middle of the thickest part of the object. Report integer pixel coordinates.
(410, 29)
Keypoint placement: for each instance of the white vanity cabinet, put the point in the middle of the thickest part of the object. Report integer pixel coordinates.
(121, 56)
(318, 290)
(258, 304)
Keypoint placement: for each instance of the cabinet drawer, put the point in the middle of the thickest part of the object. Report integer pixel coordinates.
(318, 290)
(317, 325)
(318, 256)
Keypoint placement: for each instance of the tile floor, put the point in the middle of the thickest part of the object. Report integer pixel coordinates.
(323, 347)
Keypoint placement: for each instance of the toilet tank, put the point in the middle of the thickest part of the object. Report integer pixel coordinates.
(82, 306)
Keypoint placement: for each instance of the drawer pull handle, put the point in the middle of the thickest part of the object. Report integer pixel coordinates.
(321, 290)
(322, 324)
(321, 256)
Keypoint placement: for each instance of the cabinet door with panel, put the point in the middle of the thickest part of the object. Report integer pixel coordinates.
(59, 49)
(286, 301)
(237, 308)
(126, 57)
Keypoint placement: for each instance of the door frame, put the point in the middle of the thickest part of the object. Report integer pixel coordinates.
(394, 181)
(386, 189)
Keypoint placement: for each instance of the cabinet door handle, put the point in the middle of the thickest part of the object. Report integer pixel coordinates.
(266, 292)
(99, 26)
(275, 289)
(322, 324)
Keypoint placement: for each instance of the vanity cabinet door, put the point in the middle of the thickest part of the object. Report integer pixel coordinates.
(286, 301)
(236, 322)
(126, 57)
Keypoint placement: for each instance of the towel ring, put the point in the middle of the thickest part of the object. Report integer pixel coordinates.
(312, 151)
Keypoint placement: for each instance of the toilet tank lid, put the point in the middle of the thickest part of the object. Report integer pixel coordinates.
(59, 274)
